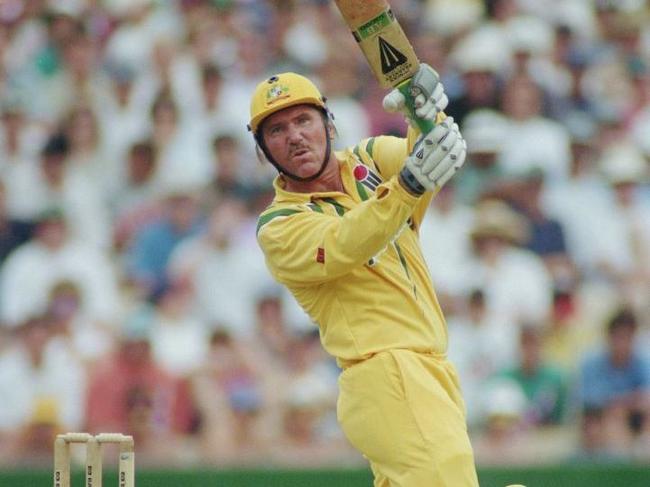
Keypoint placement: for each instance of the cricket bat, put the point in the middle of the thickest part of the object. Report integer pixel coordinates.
(385, 46)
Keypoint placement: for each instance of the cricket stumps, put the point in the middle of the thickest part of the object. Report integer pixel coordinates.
(93, 470)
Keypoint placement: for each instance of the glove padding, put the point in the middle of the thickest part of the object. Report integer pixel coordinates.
(428, 93)
(435, 158)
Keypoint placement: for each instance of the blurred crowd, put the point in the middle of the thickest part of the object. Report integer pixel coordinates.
(133, 297)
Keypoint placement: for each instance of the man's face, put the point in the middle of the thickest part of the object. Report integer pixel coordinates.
(621, 343)
(297, 139)
(52, 233)
(182, 211)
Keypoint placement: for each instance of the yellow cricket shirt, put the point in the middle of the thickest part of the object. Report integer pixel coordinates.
(353, 260)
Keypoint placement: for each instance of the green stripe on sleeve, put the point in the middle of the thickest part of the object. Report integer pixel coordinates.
(337, 206)
(361, 189)
(267, 217)
(405, 266)
(369, 146)
(315, 207)
(402, 259)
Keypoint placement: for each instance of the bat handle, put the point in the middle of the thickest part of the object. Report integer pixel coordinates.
(425, 126)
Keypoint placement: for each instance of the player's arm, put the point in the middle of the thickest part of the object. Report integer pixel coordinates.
(310, 247)
(387, 154)
(430, 100)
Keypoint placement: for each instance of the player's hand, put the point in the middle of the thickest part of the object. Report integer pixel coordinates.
(428, 95)
(435, 158)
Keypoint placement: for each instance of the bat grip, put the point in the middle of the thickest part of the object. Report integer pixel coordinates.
(425, 126)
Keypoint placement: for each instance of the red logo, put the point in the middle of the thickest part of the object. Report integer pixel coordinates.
(320, 255)
(360, 172)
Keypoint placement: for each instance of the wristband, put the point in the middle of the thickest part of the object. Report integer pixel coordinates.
(408, 182)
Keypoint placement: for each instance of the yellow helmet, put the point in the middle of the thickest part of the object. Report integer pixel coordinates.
(279, 92)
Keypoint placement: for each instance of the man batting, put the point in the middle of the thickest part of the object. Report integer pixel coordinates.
(342, 235)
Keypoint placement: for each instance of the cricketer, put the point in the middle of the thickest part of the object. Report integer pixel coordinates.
(342, 235)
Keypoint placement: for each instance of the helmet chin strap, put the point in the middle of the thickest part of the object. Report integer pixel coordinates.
(328, 152)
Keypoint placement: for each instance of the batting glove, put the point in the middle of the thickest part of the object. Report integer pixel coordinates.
(435, 158)
(428, 95)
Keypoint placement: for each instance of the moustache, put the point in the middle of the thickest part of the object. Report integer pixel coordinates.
(295, 149)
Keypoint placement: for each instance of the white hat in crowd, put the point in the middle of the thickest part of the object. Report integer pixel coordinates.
(71, 8)
(486, 50)
(494, 218)
(624, 163)
(504, 398)
(485, 131)
(530, 34)
(449, 17)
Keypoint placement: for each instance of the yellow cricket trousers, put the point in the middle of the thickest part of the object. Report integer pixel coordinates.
(403, 410)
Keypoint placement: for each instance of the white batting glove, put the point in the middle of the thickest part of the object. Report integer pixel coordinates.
(435, 158)
(428, 95)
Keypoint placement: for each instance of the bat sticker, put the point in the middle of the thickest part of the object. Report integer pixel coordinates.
(391, 58)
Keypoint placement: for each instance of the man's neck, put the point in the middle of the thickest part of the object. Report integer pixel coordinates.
(329, 181)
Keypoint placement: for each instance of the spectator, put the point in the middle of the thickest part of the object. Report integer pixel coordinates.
(225, 277)
(624, 250)
(130, 393)
(308, 424)
(89, 339)
(31, 445)
(53, 185)
(228, 180)
(211, 111)
(568, 334)
(546, 234)
(148, 256)
(13, 233)
(504, 440)
(266, 350)
(484, 131)
(518, 287)
(135, 202)
(594, 444)
(545, 387)
(540, 142)
(183, 155)
(616, 380)
(211, 84)
(615, 49)
(179, 339)
(20, 137)
(131, 43)
(37, 179)
(49, 257)
(546, 237)
(480, 58)
(579, 201)
(446, 243)
(122, 111)
(478, 348)
(564, 78)
(86, 156)
(64, 65)
(38, 374)
(228, 394)
(531, 41)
